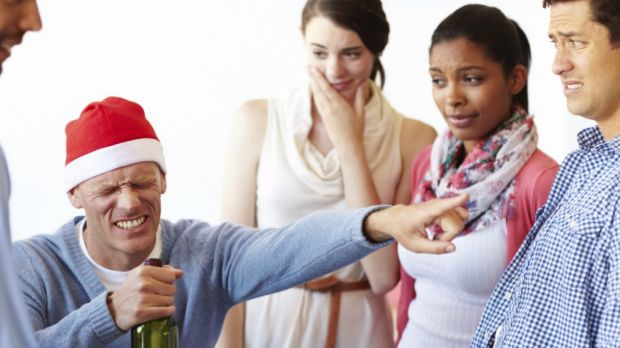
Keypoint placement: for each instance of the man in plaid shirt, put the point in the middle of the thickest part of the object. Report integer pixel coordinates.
(562, 289)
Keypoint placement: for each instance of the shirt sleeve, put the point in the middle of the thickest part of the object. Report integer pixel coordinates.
(247, 262)
(15, 330)
(609, 327)
(91, 325)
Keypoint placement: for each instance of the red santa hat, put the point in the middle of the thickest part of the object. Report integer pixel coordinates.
(109, 134)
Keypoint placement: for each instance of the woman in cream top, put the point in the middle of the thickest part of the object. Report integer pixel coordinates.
(336, 143)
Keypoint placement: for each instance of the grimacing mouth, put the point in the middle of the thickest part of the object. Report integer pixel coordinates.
(130, 224)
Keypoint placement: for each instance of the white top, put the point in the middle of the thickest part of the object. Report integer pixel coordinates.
(111, 279)
(293, 180)
(452, 289)
(15, 329)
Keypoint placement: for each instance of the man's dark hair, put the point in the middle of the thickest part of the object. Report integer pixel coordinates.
(606, 12)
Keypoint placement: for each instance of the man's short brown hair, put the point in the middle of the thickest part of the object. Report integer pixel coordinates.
(606, 12)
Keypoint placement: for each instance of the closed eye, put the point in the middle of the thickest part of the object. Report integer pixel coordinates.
(143, 185)
(106, 191)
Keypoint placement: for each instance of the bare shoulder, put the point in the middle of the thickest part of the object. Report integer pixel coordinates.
(252, 114)
(415, 135)
(245, 144)
(250, 122)
(247, 131)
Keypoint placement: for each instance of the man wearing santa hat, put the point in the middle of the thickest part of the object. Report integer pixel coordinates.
(85, 285)
(16, 18)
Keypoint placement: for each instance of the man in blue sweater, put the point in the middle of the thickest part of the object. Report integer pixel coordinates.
(16, 18)
(85, 285)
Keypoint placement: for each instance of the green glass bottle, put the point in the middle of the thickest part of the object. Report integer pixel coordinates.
(158, 333)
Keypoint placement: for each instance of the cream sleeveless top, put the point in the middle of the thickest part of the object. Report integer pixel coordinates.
(294, 179)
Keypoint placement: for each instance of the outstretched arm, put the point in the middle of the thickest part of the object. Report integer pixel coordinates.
(259, 262)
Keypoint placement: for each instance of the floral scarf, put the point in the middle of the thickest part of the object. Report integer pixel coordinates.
(487, 173)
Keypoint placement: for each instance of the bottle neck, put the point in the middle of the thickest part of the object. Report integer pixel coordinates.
(153, 262)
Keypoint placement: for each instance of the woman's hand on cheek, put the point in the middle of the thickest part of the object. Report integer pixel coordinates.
(344, 122)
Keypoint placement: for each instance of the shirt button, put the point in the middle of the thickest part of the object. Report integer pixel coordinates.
(507, 295)
(572, 224)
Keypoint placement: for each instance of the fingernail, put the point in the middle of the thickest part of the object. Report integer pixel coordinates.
(450, 248)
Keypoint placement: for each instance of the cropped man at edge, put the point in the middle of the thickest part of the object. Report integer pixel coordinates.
(16, 18)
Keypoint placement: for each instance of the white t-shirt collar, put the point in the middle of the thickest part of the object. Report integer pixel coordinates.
(111, 279)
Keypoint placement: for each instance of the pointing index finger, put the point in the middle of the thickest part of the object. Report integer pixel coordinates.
(440, 206)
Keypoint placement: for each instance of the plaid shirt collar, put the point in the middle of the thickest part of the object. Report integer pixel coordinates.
(591, 138)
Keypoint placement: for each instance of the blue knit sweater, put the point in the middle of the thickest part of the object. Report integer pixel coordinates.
(223, 265)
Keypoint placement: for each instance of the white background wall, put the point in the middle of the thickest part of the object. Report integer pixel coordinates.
(190, 64)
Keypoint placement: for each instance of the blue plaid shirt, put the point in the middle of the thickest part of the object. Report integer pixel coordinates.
(562, 289)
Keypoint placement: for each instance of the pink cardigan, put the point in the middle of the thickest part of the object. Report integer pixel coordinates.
(533, 184)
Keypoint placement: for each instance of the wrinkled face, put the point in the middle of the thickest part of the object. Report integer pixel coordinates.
(16, 18)
(123, 209)
(470, 90)
(588, 65)
(339, 54)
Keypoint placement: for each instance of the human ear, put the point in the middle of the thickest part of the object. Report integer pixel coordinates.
(518, 78)
(163, 183)
(75, 198)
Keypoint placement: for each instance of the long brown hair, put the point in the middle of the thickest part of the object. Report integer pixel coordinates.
(365, 17)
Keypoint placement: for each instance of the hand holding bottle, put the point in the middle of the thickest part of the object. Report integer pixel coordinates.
(147, 294)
